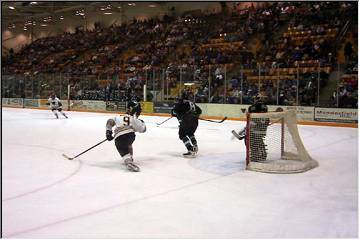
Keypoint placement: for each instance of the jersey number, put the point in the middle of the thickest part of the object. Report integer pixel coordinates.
(192, 107)
(127, 120)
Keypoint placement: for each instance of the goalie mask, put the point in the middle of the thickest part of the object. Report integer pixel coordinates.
(133, 107)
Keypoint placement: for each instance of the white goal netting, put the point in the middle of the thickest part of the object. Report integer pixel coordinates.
(273, 144)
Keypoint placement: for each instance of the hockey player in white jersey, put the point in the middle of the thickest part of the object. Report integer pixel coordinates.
(56, 105)
(124, 133)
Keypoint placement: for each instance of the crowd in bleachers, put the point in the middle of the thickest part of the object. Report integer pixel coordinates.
(346, 93)
(293, 42)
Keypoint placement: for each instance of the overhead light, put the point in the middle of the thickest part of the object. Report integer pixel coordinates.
(43, 25)
(11, 7)
(152, 5)
(132, 4)
(107, 13)
(33, 3)
(108, 7)
(61, 18)
(47, 19)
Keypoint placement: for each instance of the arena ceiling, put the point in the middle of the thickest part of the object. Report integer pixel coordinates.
(14, 12)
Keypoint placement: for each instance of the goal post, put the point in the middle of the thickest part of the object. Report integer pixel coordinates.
(273, 144)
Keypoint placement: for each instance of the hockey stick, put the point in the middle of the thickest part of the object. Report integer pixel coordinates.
(213, 120)
(158, 124)
(71, 158)
(239, 135)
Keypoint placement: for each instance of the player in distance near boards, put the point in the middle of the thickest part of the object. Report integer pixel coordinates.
(55, 105)
(124, 132)
(187, 114)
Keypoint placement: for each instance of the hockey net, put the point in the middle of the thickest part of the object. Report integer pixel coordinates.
(273, 144)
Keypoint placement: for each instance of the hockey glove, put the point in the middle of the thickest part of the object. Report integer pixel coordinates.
(109, 136)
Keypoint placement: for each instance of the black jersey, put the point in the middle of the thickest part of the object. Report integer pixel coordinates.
(258, 107)
(184, 108)
(259, 124)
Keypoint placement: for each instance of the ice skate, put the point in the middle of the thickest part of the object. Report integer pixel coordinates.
(131, 166)
(190, 154)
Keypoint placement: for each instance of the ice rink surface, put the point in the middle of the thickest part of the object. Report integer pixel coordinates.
(212, 196)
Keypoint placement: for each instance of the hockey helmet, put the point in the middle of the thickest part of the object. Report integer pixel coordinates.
(259, 98)
(184, 96)
(133, 107)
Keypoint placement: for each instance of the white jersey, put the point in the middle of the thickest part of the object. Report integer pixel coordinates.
(54, 103)
(125, 124)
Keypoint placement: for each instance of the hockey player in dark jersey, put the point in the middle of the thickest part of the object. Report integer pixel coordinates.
(187, 114)
(125, 128)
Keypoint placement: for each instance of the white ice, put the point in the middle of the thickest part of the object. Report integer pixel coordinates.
(212, 196)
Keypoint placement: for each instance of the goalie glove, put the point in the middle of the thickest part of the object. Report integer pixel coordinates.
(109, 136)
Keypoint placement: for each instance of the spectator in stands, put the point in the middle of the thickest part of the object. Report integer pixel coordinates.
(108, 92)
(348, 51)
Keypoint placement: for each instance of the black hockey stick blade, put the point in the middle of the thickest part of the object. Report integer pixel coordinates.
(209, 120)
(67, 157)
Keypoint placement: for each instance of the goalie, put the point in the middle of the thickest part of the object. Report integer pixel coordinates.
(258, 127)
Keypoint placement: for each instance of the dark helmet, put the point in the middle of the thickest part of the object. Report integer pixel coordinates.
(179, 100)
(135, 98)
(184, 96)
(133, 107)
(258, 99)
